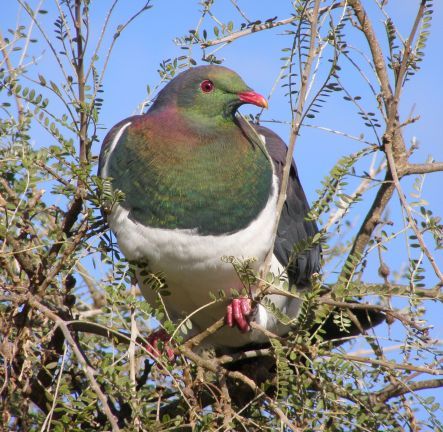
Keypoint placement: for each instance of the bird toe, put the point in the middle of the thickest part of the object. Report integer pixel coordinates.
(153, 345)
(238, 312)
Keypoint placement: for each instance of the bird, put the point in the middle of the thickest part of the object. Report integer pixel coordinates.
(200, 184)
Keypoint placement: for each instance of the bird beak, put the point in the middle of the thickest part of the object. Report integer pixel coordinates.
(254, 98)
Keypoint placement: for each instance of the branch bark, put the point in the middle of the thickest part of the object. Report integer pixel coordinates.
(425, 168)
(400, 389)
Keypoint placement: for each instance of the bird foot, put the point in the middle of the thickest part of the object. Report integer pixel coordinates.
(238, 313)
(153, 344)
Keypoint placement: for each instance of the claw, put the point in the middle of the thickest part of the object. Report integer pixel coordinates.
(153, 348)
(237, 314)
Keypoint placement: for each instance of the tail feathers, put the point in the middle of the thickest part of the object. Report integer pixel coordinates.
(263, 368)
(361, 321)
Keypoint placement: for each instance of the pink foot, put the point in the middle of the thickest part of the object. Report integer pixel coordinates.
(153, 348)
(237, 314)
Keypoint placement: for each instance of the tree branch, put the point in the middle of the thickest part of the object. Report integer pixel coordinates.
(214, 367)
(87, 369)
(424, 168)
(388, 364)
(372, 219)
(401, 388)
(392, 137)
(376, 51)
(264, 26)
(79, 68)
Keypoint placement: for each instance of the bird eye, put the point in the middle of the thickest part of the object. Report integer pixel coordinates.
(207, 86)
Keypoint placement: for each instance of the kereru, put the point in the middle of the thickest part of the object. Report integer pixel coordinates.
(200, 183)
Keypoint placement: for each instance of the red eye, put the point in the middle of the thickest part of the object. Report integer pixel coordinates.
(207, 86)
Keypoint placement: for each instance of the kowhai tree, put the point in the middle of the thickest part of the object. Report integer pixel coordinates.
(73, 323)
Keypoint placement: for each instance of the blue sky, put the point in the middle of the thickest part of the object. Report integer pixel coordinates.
(256, 58)
(150, 40)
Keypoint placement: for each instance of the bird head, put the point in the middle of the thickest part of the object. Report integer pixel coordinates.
(208, 93)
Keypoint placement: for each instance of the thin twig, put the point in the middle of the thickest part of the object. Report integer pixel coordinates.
(80, 72)
(361, 188)
(260, 27)
(387, 364)
(117, 34)
(47, 422)
(402, 388)
(376, 51)
(97, 296)
(198, 339)
(295, 128)
(407, 208)
(213, 366)
(32, 14)
(102, 34)
(86, 367)
(13, 73)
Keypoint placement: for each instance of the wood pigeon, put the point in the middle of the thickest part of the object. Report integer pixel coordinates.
(200, 184)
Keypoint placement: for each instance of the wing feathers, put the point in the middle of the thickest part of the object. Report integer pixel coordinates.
(293, 227)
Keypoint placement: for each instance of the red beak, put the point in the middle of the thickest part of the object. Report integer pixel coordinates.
(254, 98)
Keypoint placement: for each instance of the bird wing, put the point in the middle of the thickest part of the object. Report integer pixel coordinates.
(124, 159)
(293, 227)
(108, 142)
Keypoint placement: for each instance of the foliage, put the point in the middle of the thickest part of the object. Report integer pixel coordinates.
(73, 325)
